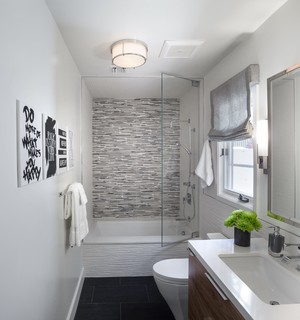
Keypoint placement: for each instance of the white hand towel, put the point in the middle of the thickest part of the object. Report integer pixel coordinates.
(204, 168)
(75, 207)
(82, 195)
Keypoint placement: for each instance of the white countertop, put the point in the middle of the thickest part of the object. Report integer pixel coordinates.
(251, 307)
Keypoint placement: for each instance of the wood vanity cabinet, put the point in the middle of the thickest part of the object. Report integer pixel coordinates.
(205, 303)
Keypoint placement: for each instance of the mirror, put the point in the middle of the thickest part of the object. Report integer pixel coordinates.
(284, 142)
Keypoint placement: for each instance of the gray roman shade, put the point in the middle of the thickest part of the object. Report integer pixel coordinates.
(230, 106)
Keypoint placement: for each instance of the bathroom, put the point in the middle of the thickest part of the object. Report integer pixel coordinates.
(40, 274)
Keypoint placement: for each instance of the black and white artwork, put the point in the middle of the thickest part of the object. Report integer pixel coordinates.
(49, 155)
(62, 151)
(70, 149)
(29, 144)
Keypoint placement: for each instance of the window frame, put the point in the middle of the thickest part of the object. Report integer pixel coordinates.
(227, 195)
(224, 193)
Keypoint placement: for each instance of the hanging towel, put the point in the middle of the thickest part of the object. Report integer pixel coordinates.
(204, 168)
(75, 208)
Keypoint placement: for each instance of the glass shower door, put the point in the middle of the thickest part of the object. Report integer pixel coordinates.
(180, 156)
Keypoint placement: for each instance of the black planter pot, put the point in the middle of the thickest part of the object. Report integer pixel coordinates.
(241, 238)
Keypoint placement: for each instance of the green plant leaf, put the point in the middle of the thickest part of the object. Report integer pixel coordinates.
(243, 220)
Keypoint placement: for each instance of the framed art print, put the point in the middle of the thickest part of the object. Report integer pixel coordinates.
(62, 151)
(29, 144)
(49, 146)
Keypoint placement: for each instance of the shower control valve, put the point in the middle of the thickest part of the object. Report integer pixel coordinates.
(189, 198)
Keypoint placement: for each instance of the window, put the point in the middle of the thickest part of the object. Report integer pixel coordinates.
(236, 164)
(237, 168)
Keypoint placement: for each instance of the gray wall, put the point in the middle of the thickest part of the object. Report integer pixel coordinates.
(127, 157)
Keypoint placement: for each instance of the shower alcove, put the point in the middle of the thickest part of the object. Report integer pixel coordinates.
(145, 194)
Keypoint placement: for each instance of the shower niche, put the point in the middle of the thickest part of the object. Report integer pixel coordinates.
(145, 151)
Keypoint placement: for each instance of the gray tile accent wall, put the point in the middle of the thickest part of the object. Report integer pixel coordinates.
(127, 158)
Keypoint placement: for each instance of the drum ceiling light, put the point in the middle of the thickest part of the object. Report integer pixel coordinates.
(129, 53)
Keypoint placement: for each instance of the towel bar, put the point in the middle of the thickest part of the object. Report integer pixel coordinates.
(62, 193)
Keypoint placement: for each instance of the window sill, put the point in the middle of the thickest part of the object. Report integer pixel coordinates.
(233, 201)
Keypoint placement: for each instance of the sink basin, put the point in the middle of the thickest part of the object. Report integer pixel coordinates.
(270, 281)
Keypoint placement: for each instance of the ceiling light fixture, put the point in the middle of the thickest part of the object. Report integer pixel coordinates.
(129, 53)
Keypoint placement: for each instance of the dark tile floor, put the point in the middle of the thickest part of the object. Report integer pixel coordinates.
(128, 298)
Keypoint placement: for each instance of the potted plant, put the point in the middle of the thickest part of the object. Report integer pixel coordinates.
(243, 222)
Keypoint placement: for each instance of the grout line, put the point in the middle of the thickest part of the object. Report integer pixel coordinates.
(147, 291)
(93, 292)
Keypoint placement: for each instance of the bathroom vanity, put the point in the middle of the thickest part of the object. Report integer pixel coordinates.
(231, 282)
(206, 299)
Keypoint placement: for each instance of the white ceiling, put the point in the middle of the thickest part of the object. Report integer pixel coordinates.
(89, 27)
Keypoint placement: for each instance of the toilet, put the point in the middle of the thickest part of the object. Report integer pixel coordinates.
(171, 277)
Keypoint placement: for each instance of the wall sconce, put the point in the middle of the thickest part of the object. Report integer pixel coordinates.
(129, 53)
(262, 145)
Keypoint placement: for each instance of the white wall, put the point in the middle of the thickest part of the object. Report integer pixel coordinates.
(274, 46)
(39, 272)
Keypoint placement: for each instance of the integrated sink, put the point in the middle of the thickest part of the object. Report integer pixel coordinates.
(270, 281)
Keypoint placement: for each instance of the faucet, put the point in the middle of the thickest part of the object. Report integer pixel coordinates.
(292, 245)
(288, 258)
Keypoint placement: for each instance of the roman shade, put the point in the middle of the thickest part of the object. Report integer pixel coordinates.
(230, 106)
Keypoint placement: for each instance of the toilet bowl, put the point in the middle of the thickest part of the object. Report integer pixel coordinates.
(171, 277)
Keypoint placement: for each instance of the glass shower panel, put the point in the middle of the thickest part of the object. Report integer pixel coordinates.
(180, 156)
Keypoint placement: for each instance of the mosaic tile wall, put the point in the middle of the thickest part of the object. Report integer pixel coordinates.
(127, 158)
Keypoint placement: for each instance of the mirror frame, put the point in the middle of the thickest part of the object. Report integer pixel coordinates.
(287, 220)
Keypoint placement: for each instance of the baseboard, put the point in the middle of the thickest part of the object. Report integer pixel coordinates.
(76, 296)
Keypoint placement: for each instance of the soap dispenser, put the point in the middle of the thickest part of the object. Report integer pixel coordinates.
(276, 243)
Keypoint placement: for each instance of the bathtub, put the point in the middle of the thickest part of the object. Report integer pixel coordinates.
(129, 247)
(121, 231)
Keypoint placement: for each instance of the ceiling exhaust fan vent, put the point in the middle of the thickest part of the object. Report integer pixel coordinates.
(180, 49)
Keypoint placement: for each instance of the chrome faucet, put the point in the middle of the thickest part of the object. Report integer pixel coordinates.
(288, 258)
(292, 245)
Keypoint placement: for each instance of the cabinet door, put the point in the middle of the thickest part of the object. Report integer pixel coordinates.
(205, 302)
